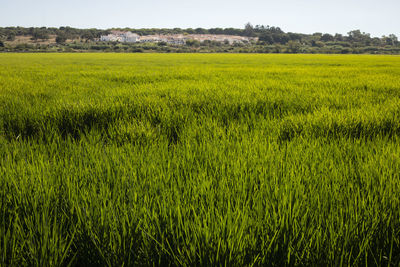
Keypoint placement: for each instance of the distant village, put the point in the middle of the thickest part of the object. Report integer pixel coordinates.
(179, 39)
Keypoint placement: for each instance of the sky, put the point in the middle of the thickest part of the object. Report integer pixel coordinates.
(377, 17)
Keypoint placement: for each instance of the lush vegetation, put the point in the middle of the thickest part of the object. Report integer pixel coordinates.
(236, 160)
(270, 40)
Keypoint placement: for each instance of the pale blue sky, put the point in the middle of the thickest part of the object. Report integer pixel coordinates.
(377, 17)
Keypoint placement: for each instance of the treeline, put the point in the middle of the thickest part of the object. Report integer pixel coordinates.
(44, 33)
(9, 33)
(270, 40)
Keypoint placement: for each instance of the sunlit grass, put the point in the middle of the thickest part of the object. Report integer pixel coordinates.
(119, 159)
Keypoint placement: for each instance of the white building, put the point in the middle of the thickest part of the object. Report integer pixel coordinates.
(129, 37)
(177, 39)
(118, 36)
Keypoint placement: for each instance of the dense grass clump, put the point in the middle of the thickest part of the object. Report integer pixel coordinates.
(199, 160)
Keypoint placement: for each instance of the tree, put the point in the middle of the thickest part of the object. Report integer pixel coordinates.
(294, 36)
(390, 40)
(192, 43)
(248, 29)
(216, 31)
(294, 46)
(11, 36)
(274, 29)
(190, 31)
(266, 37)
(61, 38)
(354, 34)
(232, 31)
(376, 41)
(200, 31)
(338, 37)
(317, 43)
(39, 34)
(326, 37)
(177, 30)
(88, 35)
(358, 36)
(394, 39)
(280, 38)
(1, 44)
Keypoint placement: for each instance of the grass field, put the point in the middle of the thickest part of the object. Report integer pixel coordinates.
(200, 160)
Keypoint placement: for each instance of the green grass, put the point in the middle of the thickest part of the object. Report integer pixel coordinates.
(199, 160)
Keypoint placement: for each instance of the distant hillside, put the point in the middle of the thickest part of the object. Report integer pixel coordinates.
(253, 39)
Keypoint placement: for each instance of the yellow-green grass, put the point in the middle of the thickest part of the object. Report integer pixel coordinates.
(199, 160)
